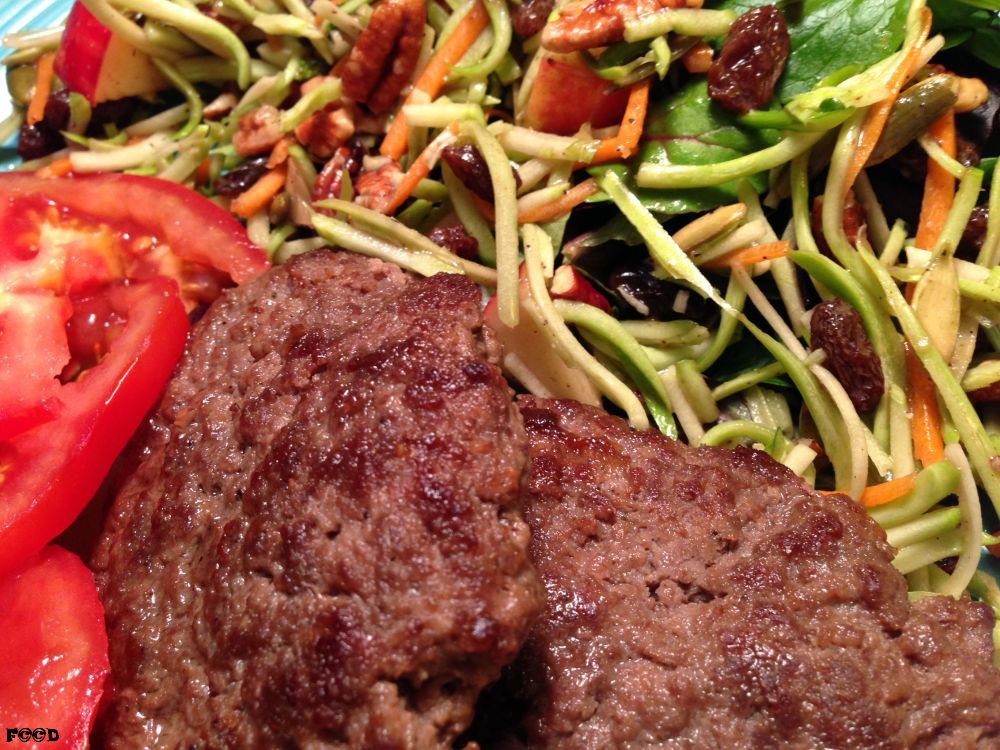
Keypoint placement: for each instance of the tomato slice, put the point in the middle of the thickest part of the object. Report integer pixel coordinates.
(54, 648)
(50, 472)
(167, 223)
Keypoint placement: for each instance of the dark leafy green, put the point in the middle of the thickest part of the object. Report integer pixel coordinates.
(969, 23)
(689, 128)
(827, 35)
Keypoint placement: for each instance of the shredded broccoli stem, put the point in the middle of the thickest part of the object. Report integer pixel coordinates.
(629, 354)
(194, 103)
(571, 349)
(972, 525)
(205, 29)
(675, 176)
(505, 202)
(128, 30)
(502, 31)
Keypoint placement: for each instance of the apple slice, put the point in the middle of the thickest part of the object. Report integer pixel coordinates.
(97, 63)
(566, 94)
(531, 358)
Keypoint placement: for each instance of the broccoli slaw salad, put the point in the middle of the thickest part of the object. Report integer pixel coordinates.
(734, 222)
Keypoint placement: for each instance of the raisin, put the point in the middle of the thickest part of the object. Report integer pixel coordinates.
(456, 239)
(530, 16)
(837, 330)
(242, 178)
(974, 234)
(854, 221)
(654, 297)
(470, 167)
(751, 60)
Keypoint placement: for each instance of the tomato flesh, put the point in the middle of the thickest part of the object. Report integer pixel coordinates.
(96, 275)
(54, 648)
(193, 228)
(49, 473)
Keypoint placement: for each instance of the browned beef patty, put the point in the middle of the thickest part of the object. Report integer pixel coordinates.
(322, 545)
(706, 598)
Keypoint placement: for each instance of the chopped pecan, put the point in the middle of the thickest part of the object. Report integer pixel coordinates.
(375, 187)
(259, 131)
(583, 24)
(326, 131)
(348, 159)
(385, 55)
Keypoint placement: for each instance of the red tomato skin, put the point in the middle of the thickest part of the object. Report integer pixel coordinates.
(79, 65)
(195, 228)
(567, 94)
(55, 468)
(54, 648)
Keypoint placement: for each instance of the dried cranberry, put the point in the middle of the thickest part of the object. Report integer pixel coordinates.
(114, 112)
(355, 157)
(751, 61)
(57, 110)
(530, 16)
(989, 394)
(837, 330)
(240, 179)
(470, 167)
(456, 239)
(38, 140)
(974, 234)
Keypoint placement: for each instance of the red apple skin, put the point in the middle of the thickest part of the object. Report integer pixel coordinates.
(567, 94)
(81, 52)
(95, 62)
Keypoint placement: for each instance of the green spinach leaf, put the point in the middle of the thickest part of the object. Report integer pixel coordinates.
(687, 127)
(827, 35)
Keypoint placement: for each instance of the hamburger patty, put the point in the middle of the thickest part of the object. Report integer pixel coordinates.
(707, 598)
(322, 545)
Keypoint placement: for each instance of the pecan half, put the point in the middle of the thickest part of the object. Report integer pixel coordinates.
(584, 24)
(382, 60)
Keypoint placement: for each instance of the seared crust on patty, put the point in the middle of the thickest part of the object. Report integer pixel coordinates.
(707, 598)
(322, 545)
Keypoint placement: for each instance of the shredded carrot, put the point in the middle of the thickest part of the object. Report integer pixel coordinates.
(624, 143)
(259, 195)
(562, 205)
(939, 187)
(44, 73)
(747, 256)
(879, 113)
(204, 171)
(58, 168)
(886, 492)
(420, 168)
(925, 425)
(432, 78)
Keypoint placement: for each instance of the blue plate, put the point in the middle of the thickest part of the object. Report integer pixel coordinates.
(21, 15)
